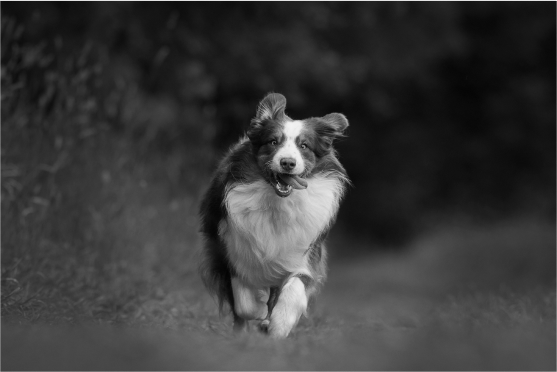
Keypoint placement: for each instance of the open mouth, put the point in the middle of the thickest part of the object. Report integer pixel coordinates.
(285, 183)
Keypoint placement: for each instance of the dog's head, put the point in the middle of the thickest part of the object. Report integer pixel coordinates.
(287, 151)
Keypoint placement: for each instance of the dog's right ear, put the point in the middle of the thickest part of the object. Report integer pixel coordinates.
(270, 108)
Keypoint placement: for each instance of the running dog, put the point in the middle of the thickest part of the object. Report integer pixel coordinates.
(266, 214)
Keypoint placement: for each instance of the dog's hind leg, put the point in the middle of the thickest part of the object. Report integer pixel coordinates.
(249, 304)
(273, 297)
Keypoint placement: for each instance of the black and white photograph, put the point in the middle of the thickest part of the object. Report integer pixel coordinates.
(278, 186)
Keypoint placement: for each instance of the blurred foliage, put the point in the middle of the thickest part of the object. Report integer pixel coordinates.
(85, 223)
(452, 105)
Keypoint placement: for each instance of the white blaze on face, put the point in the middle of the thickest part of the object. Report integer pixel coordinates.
(289, 149)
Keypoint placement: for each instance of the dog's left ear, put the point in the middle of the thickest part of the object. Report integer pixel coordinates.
(336, 124)
(329, 128)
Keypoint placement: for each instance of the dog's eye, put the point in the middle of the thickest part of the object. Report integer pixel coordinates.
(304, 146)
(273, 142)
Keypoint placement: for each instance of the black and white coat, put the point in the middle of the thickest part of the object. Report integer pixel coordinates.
(266, 214)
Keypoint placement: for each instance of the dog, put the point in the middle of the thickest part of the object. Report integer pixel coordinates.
(267, 213)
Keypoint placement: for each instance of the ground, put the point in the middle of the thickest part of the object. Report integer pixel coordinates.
(456, 299)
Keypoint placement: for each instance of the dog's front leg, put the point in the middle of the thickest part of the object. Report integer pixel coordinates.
(291, 304)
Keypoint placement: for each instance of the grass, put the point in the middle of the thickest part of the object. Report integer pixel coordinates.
(406, 311)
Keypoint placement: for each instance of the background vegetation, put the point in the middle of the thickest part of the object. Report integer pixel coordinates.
(115, 114)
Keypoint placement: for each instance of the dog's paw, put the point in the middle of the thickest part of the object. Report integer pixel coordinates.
(264, 326)
(280, 328)
(240, 325)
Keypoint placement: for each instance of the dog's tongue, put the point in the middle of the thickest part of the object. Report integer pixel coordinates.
(296, 182)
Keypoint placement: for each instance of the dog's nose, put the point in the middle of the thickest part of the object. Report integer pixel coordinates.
(287, 163)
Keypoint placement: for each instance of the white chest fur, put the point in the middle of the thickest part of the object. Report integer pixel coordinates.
(267, 236)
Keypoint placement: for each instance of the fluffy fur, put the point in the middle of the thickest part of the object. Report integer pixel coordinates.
(266, 214)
